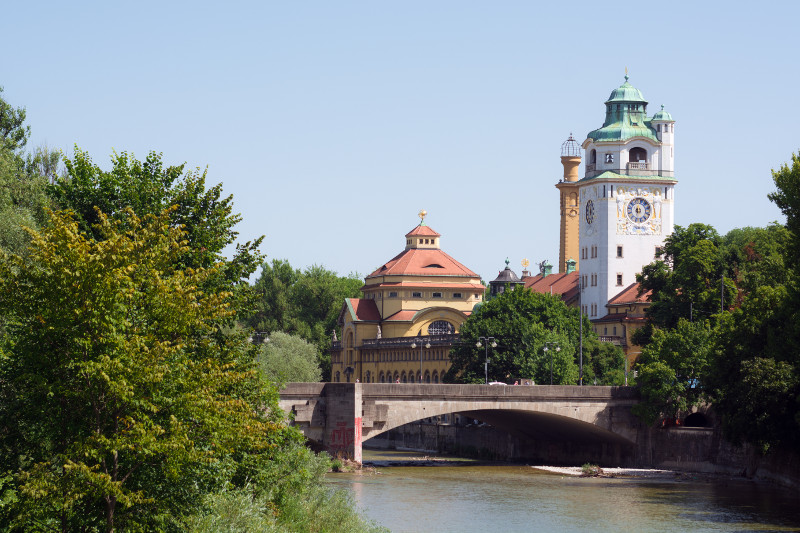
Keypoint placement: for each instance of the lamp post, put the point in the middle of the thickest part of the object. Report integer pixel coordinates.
(580, 328)
(414, 345)
(546, 349)
(487, 340)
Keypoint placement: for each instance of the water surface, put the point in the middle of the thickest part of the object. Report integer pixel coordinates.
(489, 498)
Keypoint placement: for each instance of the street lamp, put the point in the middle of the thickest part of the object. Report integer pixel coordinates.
(414, 345)
(493, 342)
(546, 349)
(580, 327)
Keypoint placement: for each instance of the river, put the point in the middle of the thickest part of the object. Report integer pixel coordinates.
(502, 498)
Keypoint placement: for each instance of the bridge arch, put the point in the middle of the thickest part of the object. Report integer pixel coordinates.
(546, 421)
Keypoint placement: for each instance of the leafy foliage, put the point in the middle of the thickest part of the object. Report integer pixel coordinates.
(304, 303)
(672, 368)
(285, 358)
(121, 400)
(747, 359)
(13, 133)
(23, 180)
(150, 187)
(523, 322)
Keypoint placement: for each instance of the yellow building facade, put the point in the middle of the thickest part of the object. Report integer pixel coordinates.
(409, 317)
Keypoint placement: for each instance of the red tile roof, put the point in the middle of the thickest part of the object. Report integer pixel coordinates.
(423, 262)
(407, 315)
(565, 285)
(402, 316)
(425, 231)
(364, 310)
(630, 295)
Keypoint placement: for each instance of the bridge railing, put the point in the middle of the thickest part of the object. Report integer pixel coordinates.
(404, 342)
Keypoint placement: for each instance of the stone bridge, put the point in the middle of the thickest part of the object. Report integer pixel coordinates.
(340, 416)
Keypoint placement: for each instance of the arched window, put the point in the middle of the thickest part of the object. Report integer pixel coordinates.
(367, 377)
(337, 377)
(403, 378)
(427, 377)
(441, 327)
(397, 377)
(593, 157)
(435, 377)
(637, 154)
(382, 377)
(410, 377)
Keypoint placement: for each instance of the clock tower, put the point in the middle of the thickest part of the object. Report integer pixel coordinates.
(626, 196)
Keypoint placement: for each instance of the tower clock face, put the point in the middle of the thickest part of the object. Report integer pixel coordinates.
(639, 210)
(589, 212)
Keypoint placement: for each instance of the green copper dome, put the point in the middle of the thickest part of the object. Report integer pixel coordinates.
(626, 117)
(663, 115)
(626, 93)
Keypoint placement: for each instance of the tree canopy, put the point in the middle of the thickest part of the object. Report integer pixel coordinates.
(744, 356)
(523, 323)
(285, 358)
(122, 401)
(305, 303)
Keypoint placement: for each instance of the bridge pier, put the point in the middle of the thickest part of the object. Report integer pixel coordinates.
(343, 420)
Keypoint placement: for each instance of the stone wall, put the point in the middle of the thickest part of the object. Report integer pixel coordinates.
(675, 448)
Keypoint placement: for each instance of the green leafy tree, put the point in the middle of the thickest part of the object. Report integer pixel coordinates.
(23, 180)
(273, 310)
(672, 369)
(287, 358)
(121, 400)
(13, 131)
(149, 187)
(787, 198)
(305, 303)
(523, 322)
(23, 202)
(687, 279)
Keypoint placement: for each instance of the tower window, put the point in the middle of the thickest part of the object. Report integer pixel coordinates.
(456, 295)
(619, 280)
(619, 251)
(393, 294)
(609, 158)
(416, 295)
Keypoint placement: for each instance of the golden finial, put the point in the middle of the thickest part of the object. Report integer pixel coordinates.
(626, 73)
(525, 263)
(422, 215)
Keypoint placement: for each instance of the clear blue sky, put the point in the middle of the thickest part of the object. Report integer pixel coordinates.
(334, 123)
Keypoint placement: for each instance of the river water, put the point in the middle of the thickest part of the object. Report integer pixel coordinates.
(493, 498)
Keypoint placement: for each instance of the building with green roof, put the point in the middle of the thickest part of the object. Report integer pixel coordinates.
(625, 199)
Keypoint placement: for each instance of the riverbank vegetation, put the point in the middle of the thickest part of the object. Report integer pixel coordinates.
(130, 400)
(724, 325)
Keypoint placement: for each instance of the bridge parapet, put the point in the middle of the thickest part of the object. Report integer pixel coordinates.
(340, 415)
